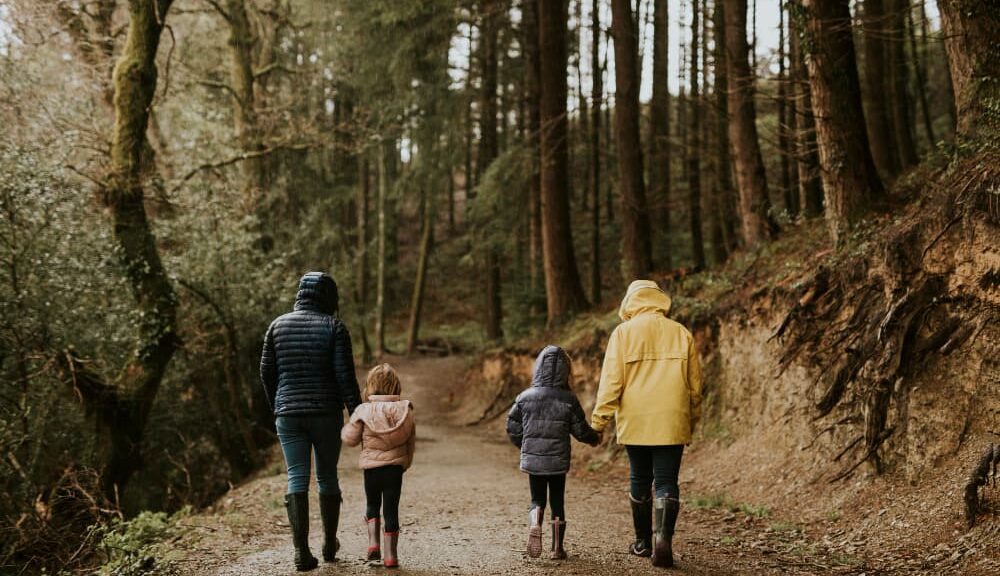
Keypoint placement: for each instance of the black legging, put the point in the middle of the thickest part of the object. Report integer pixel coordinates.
(555, 485)
(383, 486)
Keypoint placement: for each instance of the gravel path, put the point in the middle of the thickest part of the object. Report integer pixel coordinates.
(464, 510)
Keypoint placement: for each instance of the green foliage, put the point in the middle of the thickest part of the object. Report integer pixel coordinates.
(137, 546)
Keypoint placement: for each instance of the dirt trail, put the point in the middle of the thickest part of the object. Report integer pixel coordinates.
(464, 510)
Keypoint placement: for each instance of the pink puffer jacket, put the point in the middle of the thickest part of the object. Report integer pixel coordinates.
(384, 427)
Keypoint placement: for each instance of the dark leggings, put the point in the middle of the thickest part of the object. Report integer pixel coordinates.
(555, 485)
(383, 486)
(656, 466)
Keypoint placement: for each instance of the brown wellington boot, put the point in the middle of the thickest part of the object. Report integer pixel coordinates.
(535, 531)
(665, 512)
(558, 535)
(390, 559)
(374, 534)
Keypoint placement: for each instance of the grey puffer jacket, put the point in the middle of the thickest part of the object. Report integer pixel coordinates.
(307, 364)
(545, 416)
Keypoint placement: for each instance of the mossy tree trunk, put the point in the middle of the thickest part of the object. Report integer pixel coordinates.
(694, 143)
(850, 181)
(877, 114)
(122, 407)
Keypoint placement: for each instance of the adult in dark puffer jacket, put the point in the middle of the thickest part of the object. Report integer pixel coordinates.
(307, 368)
(540, 423)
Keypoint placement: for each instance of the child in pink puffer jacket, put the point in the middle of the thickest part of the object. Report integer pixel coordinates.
(384, 427)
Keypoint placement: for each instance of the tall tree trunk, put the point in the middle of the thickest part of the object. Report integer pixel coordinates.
(899, 98)
(241, 43)
(426, 245)
(123, 409)
(532, 81)
(878, 115)
(659, 157)
(380, 208)
(920, 68)
(584, 117)
(850, 180)
(636, 245)
(489, 149)
(364, 193)
(806, 155)
(790, 195)
(563, 290)
(751, 179)
(969, 28)
(726, 195)
(597, 91)
(694, 152)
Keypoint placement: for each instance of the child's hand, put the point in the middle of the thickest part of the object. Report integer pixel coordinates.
(600, 438)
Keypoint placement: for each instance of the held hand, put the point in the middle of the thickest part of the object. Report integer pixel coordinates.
(600, 438)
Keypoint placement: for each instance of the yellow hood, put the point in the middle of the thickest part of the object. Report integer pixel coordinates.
(643, 296)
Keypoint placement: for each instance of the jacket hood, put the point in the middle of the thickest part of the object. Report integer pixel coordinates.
(551, 368)
(643, 296)
(385, 415)
(318, 292)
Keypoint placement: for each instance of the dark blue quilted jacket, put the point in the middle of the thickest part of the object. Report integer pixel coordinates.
(545, 416)
(307, 365)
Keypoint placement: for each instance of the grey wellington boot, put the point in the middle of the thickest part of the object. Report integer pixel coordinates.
(665, 512)
(642, 521)
(297, 505)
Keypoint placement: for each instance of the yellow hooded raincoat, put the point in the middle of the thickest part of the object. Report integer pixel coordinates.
(651, 378)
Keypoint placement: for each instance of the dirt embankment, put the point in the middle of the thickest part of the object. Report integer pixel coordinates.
(852, 397)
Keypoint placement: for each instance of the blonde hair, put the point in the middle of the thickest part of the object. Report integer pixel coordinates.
(382, 380)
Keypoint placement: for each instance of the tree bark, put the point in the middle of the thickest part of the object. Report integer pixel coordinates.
(806, 155)
(123, 409)
(241, 43)
(426, 245)
(790, 195)
(920, 68)
(694, 144)
(751, 179)
(361, 297)
(878, 116)
(532, 81)
(597, 91)
(969, 28)
(489, 149)
(636, 244)
(563, 290)
(725, 194)
(383, 190)
(850, 180)
(659, 157)
(899, 96)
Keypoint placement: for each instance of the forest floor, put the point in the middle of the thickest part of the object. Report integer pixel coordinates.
(464, 511)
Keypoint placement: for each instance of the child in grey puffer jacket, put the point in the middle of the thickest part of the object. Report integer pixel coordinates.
(540, 423)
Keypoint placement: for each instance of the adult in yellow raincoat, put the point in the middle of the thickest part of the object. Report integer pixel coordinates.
(651, 385)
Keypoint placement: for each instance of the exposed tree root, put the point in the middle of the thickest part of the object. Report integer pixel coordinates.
(980, 477)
